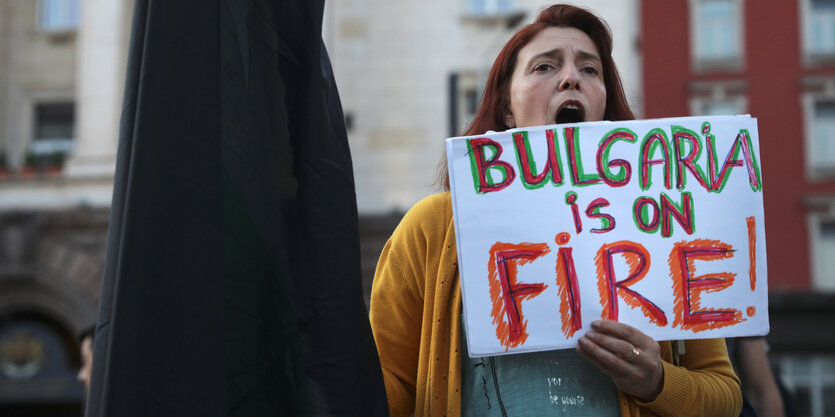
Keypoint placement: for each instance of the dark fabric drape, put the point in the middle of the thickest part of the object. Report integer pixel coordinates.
(232, 278)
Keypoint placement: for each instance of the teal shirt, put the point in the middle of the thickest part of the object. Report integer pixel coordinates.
(552, 383)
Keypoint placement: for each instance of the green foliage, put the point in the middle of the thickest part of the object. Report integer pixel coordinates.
(43, 161)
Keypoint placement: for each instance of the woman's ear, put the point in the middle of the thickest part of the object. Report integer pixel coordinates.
(509, 121)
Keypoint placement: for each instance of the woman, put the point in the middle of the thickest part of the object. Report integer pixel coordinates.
(557, 70)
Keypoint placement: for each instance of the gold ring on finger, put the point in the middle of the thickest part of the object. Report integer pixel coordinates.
(635, 354)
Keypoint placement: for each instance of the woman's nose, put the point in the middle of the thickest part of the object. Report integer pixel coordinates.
(570, 79)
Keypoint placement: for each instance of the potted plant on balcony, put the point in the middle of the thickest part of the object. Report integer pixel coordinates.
(46, 157)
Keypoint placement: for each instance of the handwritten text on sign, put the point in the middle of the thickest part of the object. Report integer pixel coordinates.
(655, 223)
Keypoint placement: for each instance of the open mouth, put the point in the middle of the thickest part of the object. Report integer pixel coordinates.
(570, 112)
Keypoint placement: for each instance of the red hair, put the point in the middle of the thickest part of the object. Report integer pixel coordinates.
(495, 103)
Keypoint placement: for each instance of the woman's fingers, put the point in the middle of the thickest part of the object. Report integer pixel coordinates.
(628, 344)
(609, 353)
(623, 331)
(620, 348)
(627, 355)
(599, 355)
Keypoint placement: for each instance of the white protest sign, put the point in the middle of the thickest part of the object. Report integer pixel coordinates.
(654, 223)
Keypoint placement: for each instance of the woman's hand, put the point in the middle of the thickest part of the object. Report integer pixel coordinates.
(631, 358)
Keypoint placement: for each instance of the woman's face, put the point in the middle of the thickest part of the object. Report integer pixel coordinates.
(558, 79)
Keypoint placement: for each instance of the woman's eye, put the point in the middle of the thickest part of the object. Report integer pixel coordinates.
(590, 70)
(543, 67)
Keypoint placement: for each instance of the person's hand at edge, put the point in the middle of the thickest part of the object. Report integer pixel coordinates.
(631, 358)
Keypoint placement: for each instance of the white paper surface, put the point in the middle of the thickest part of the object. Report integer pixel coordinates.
(702, 284)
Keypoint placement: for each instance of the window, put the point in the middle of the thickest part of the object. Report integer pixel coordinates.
(826, 258)
(463, 101)
(812, 380)
(819, 127)
(822, 235)
(471, 97)
(822, 143)
(720, 108)
(489, 7)
(494, 13)
(54, 125)
(58, 15)
(726, 107)
(716, 33)
(819, 30)
(718, 98)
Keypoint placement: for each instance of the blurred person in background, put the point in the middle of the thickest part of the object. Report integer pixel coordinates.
(749, 356)
(85, 372)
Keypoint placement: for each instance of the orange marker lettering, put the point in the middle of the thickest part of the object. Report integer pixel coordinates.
(687, 286)
(638, 259)
(506, 293)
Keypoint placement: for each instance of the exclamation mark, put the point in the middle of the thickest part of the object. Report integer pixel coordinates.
(752, 259)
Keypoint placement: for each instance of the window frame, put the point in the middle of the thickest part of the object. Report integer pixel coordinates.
(46, 146)
(809, 101)
(67, 27)
(488, 10)
(809, 59)
(814, 220)
(466, 82)
(697, 103)
(700, 64)
(28, 117)
(816, 381)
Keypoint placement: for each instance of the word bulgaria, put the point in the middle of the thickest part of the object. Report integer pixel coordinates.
(676, 158)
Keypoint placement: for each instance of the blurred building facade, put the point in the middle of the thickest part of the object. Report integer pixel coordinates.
(773, 59)
(61, 79)
(410, 74)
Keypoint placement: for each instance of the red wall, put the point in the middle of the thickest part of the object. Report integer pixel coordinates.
(773, 71)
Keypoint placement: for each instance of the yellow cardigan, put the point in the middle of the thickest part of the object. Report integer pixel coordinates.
(415, 315)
